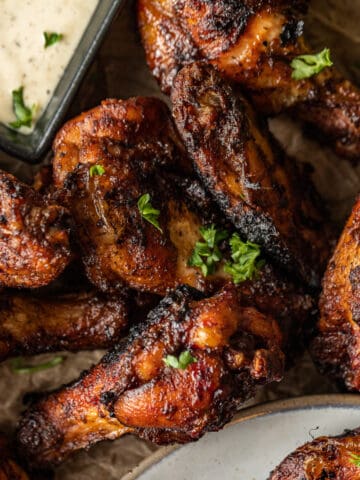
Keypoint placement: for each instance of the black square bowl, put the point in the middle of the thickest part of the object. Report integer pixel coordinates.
(31, 147)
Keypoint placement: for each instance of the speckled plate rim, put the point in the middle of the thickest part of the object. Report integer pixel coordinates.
(263, 410)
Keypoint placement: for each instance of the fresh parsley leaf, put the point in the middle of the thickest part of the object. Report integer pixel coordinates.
(96, 170)
(24, 114)
(148, 212)
(207, 254)
(355, 459)
(245, 260)
(51, 38)
(182, 362)
(305, 66)
(18, 366)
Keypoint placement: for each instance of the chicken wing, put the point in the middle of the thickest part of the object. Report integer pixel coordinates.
(257, 187)
(9, 470)
(34, 236)
(336, 344)
(183, 372)
(138, 152)
(32, 324)
(336, 458)
(252, 43)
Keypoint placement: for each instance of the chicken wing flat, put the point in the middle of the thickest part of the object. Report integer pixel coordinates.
(336, 345)
(35, 324)
(260, 190)
(183, 372)
(336, 458)
(138, 153)
(34, 236)
(253, 43)
(9, 470)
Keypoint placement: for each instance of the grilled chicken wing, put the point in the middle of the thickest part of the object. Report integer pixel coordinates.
(9, 470)
(257, 187)
(333, 458)
(36, 324)
(34, 240)
(232, 350)
(252, 42)
(336, 345)
(140, 152)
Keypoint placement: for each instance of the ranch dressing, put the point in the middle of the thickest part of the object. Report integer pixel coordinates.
(24, 60)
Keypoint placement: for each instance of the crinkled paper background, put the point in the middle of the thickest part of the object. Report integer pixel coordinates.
(120, 71)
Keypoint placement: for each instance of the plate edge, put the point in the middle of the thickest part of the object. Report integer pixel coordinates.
(261, 410)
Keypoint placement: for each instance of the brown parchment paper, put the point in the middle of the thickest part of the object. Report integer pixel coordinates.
(119, 70)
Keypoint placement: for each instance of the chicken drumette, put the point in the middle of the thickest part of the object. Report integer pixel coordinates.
(336, 458)
(137, 152)
(336, 344)
(261, 191)
(32, 324)
(253, 43)
(34, 236)
(221, 351)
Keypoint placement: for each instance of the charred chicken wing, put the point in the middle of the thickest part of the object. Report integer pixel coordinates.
(336, 458)
(183, 372)
(336, 345)
(252, 42)
(36, 324)
(257, 187)
(131, 190)
(34, 237)
(9, 470)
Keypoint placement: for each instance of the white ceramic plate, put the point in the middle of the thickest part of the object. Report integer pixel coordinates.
(256, 442)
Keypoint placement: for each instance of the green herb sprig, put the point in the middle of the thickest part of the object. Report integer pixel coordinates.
(51, 38)
(182, 362)
(24, 114)
(245, 263)
(18, 366)
(148, 212)
(355, 459)
(305, 66)
(207, 254)
(96, 170)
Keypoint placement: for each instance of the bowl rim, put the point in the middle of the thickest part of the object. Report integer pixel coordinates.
(306, 402)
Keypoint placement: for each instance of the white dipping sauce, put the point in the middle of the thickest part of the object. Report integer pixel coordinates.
(24, 60)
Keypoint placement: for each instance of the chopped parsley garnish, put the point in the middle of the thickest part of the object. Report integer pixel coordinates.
(24, 114)
(51, 38)
(355, 459)
(18, 366)
(305, 66)
(148, 212)
(96, 170)
(245, 263)
(207, 254)
(182, 362)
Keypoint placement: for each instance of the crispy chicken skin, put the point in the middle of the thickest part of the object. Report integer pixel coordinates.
(257, 187)
(36, 324)
(275, 295)
(324, 458)
(336, 345)
(34, 237)
(252, 42)
(140, 151)
(132, 390)
(9, 470)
